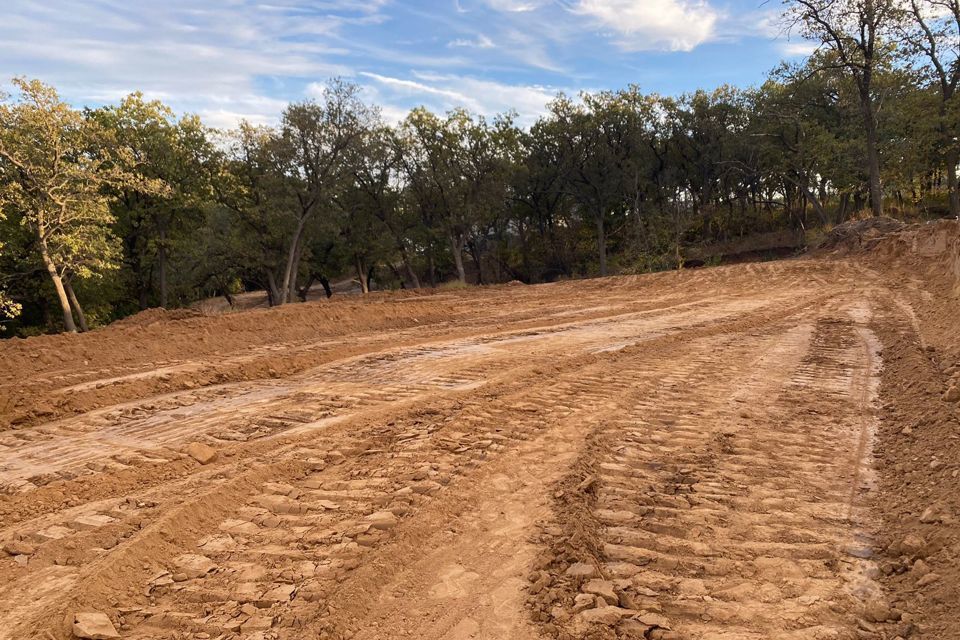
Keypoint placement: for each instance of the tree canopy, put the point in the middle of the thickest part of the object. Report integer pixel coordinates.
(107, 211)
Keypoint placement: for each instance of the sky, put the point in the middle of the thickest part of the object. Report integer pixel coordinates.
(228, 60)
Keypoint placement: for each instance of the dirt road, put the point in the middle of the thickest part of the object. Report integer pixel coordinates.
(674, 456)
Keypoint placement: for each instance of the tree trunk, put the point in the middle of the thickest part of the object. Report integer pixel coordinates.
(72, 297)
(273, 293)
(361, 274)
(68, 324)
(873, 154)
(953, 189)
(162, 266)
(457, 249)
(292, 288)
(292, 258)
(602, 245)
(414, 280)
(475, 254)
(432, 268)
(810, 197)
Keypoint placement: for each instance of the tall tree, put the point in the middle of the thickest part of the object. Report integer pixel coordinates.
(57, 165)
(853, 31)
(933, 30)
(315, 137)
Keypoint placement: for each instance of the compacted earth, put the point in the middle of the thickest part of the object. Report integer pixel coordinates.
(761, 451)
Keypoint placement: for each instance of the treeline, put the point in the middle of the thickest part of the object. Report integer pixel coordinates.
(107, 211)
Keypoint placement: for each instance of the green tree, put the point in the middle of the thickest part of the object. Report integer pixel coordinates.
(854, 31)
(57, 166)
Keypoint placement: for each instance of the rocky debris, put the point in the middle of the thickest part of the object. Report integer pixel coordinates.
(913, 545)
(604, 615)
(281, 505)
(280, 593)
(878, 611)
(19, 548)
(930, 515)
(928, 579)
(93, 626)
(603, 589)
(92, 521)
(257, 623)
(952, 394)
(427, 487)
(190, 566)
(202, 453)
(583, 601)
(581, 570)
(382, 520)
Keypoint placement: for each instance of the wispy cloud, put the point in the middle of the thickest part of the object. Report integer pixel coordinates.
(233, 59)
(206, 59)
(674, 25)
(443, 92)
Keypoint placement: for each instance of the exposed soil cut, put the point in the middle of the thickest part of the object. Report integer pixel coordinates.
(759, 451)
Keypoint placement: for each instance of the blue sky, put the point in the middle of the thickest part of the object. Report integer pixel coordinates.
(233, 59)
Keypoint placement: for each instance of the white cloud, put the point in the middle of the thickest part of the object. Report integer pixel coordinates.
(480, 42)
(675, 25)
(443, 92)
(517, 6)
(797, 49)
(210, 59)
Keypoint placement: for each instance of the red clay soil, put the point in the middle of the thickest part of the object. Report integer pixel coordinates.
(735, 453)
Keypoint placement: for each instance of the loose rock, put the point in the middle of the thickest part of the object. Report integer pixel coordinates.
(94, 626)
(202, 453)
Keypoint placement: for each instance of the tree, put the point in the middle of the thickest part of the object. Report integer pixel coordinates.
(933, 31)
(56, 171)
(250, 182)
(374, 166)
(314, 138)
(853, 31)
(164, 149)
(8, 308)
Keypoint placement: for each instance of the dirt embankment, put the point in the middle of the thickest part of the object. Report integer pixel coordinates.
(918, 455)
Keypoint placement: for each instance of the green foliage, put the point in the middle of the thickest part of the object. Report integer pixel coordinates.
(131, 205)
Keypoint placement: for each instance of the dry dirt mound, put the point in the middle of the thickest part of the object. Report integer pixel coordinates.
(150, 316)
(852, 235)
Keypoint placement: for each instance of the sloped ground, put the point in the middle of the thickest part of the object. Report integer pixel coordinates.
(758, 451)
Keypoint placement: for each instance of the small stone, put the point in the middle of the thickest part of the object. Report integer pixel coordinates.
(427, 487)
(280, 593)
(912, 545)
(581, 570)
(202, 453)
(654, 620)
(952, 394)
(929, 516)
(877, 611)
(93, 626)
(928, 579)
(603, 589)
(582, 602)
(257, 623)
(604, 615)
(382, 520)
(19, 548)
(192, 566)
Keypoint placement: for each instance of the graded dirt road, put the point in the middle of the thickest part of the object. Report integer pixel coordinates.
(715, 454)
